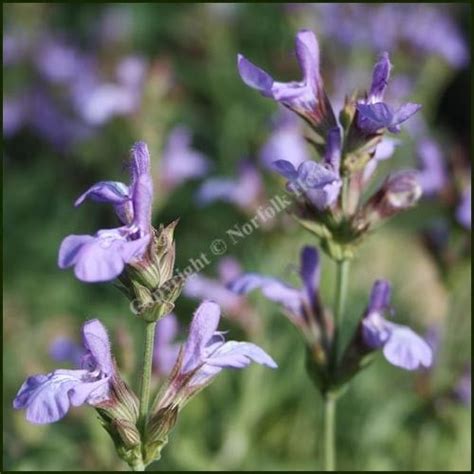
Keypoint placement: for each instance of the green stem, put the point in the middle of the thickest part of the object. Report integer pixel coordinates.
(342, 277)
(329, 433)
(146, 375)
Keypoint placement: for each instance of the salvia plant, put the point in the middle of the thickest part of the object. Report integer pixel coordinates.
(329, 200)
(142, 258)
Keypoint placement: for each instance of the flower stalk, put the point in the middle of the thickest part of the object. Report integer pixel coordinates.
(146, 375)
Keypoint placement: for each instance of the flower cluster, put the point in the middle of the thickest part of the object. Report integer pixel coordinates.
(328, 193)
(143, 260)
(304, 308)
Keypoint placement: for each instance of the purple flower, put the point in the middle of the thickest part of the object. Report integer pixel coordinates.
(375, 115)
(180, 162)
(285, 143)
(401, 346)
(47, 398)
(319, 183)
(206, 353)
(166, 350)
(102, 257)
(294, 301)
(463, 212)
(305, 97)
(432, 173)
(244, 192)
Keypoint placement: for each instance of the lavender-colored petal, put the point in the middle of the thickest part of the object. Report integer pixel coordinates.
(376, 330)
(237, 355)
(203, 326)
(332, 155)
(254, 77)
(96, 341)
(373, 117)
(310, 271)
(307, 52)
(113, 192)
(286, 169)
(70, 248)
(46, 398)
(100, 258)
(380, 296)
(142, 188)
(406, 349)
(405, 112)
(380, 78)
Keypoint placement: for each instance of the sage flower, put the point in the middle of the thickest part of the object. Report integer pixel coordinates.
(374, 115)
(48, 397)
(320, 183)
(205, 354)
(306, 97)
(294, 301)
(103, 256)
(402, 347)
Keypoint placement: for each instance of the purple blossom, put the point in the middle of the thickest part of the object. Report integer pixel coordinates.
(102, 257)
(206, 353)
(305, 97)
(166, 350)
(180, 162)
(293, 300)
(401, 346)
(319, 183)
(463, 211)
(47, 398)
(207, 350)
(432, 172)
(285, 143)
(244, 192)
(374, 115)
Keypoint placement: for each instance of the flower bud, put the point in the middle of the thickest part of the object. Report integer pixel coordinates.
(118, 415)
(400, 191)
(147, 282)
(156, 433)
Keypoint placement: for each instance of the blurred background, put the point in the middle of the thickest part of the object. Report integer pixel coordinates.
(82, 83)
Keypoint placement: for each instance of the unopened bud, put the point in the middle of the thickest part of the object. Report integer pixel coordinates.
(399, 192)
